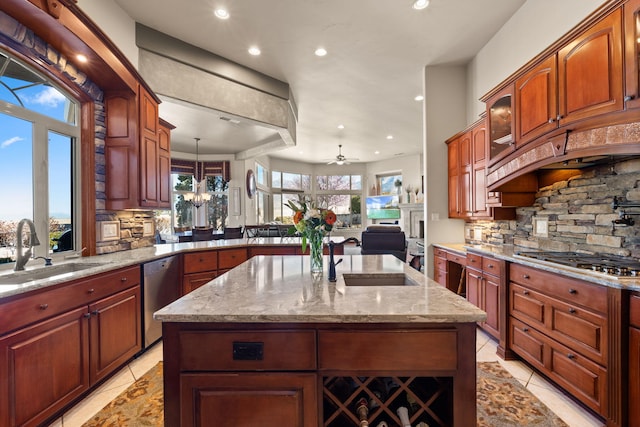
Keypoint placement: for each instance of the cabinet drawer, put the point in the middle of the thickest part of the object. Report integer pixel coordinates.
(439, 252)
(527, 342)
(38, 306)
(441, 264)
(387, 350)
(457, 258)
(248, 351)
(492, 266)
(230, 258)
(195, 280)
(474, 261)
(526, 304)
(634, 310)
(570, 290)
(197, 262)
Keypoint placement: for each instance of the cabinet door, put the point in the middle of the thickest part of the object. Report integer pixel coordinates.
(590, 72)
(491, 299)
(149, 150)
(43, 368)
(267, 400)
(474, 283)
(479, 207)
(632, 55)
(634, 377)
(501, 131)
(464, 182)
(115, 332)
(164, 167)
(536, 101)
(195, 280)
(454, 177)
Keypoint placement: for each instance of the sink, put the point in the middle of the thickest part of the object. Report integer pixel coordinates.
(41, 273)
(379, 279)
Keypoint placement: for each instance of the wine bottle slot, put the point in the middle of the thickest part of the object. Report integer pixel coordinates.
(362, 410)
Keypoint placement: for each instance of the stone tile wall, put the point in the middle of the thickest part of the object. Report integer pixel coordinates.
(579, 212)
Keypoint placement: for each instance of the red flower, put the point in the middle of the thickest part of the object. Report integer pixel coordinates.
(329, 217)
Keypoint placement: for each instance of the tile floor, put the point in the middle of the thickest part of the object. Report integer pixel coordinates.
(564, 407)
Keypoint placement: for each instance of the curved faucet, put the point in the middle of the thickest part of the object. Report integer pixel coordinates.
(22, 259)
(332, 263)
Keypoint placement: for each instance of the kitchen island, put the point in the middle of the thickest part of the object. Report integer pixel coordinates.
(269, 344)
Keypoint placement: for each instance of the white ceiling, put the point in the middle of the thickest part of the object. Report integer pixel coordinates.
(377, 50)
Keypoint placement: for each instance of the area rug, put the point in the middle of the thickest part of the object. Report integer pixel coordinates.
(502, 402)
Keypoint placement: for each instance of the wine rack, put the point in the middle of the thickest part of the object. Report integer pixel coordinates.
(429, 400)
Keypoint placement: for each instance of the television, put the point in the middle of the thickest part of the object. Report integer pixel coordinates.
(383, 207)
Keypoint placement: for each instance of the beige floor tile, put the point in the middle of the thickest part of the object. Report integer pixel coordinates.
(563, 407)
(56, 423)
(146, 361)
(487, 353)
(86, 409)
(518, 370)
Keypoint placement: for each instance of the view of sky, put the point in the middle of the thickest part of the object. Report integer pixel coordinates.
(16, 151)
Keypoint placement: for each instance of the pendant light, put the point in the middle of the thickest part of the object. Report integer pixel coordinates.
(200, 197)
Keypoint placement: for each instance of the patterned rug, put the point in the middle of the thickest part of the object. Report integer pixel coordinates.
(502, 402)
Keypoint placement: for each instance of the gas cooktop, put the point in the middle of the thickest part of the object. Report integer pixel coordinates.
(611, 265)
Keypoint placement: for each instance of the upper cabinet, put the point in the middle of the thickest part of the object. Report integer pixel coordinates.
(632, 53)
(590, 72)
(137, 153)
(501, 124)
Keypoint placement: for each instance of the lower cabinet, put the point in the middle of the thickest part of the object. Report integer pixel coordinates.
(46, 365)
(484, 284)
(634, 361)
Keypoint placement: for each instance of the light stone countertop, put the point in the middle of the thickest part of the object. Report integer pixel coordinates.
(510, 253)
(104, 263)
(269, 289)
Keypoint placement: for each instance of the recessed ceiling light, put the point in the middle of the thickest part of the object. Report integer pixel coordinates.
(81, 58)
(420, 4)
(340, 126)
(253, 50)
(321, 51)
(419, 98)
(389, 136)
(221, 13)
(376, 152)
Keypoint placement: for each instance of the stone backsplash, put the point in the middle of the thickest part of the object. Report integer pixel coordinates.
(126, 230)
(579, 215)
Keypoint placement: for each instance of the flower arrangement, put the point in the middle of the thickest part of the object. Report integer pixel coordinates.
(310, 220)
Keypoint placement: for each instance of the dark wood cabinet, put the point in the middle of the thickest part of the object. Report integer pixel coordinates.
(561, 326)
(460, 176)
(590, 77)
(485, 276)
(479, 208)
(81, 336)
(634, 360)
(631, 10)
(501, 124)
(449, 269)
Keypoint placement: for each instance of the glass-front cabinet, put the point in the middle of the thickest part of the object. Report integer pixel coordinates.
(501, 124)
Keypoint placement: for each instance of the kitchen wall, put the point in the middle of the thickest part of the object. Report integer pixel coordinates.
(579, 213)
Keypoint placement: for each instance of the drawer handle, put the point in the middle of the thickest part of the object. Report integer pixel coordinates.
(86, 315)
(123, 279)
(490, 266)
(90, 291)
(571, 356)
(573, 291)
(572, 310)
(526, 276)
(44, 306)
(95, 312)
(525, 292)
(525, 329)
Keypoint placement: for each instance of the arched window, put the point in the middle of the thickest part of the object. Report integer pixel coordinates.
(39, 149)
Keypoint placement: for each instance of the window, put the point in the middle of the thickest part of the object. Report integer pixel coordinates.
(287, 186)
(183, 210)
(39, 134)
(342, 194)
(218, 205)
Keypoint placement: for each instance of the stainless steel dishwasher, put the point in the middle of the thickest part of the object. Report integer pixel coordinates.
(160, 287)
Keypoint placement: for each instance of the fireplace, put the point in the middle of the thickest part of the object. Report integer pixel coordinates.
(412, 219)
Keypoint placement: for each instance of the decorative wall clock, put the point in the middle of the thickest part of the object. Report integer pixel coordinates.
(251, 183)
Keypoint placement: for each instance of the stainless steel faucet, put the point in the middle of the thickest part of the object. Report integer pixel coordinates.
(23, 258)
(332, 263)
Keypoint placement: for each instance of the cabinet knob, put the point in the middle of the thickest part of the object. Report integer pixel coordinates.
(526, 276)
(571, 356)
(525, 293)
(44, 306)
(628, 98)
(551, 120)
(490, 266)
(573, 291)
(572, 310)
(525, 329)
(558, 117)
(123, 279)
(90, 291)
(86, 315)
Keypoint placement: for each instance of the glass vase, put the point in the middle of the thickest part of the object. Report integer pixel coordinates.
(315, 252)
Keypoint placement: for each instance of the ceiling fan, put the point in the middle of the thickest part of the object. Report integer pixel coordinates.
(340, 159)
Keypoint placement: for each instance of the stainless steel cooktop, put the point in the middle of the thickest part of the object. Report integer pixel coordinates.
(611, 265)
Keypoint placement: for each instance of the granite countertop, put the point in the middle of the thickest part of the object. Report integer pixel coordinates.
(510, 253)
(103, 263)
(268, 289)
